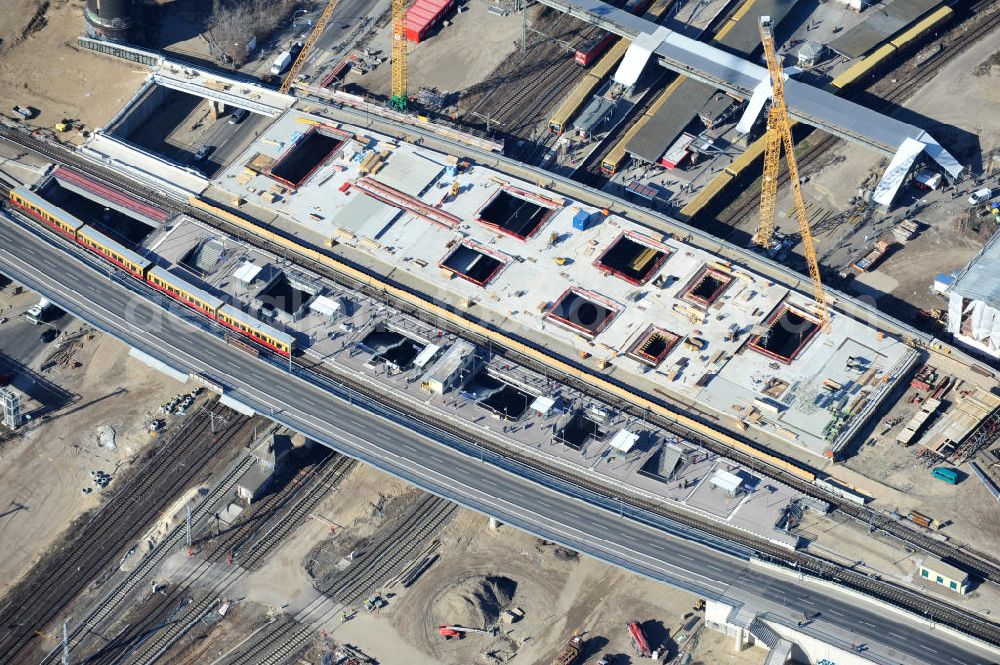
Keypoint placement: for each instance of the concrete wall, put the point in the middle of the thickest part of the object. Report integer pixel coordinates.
(140, 109)
(810, 649)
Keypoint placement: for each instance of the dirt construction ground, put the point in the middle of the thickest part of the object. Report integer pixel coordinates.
(74, 83)
(479, 573)
(43, 472)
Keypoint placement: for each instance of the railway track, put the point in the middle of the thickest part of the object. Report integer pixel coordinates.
(374, 567)
(53, 584)
(112, 602)
(975, 563)
(528, 91)
(160, 626)
(904, 85)
(109, 608)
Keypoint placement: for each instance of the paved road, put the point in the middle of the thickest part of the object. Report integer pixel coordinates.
(113, 305)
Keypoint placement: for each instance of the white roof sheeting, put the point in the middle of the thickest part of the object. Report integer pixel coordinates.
(727, 481)
(543, 405)
(247, 272)
(895, 175)
(623, 440)
(638, 54)
(326, 306)
(757, 100)
(426, 355)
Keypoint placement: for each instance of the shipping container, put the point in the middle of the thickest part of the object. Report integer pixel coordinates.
(949, 476)
(423, 16)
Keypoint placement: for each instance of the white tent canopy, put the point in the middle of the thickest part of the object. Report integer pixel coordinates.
(727, 481)
(623, 440)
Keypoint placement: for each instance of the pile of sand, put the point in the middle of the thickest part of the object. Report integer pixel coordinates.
(475, 602)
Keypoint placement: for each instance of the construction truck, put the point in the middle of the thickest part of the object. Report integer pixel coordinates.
(639, 641)
(571, 652)
(39, 312)
(448, 631)
(872, 257)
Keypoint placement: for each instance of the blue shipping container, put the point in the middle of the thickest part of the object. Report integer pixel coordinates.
(581, 220)
(949, 476)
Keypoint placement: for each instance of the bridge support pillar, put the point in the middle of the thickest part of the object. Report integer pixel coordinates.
(740, 639)
(216, 108)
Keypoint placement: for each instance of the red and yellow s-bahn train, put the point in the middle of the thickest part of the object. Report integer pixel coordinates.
(142, 268)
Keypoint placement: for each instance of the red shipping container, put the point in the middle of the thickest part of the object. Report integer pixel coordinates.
(419, 18)
(423, 15)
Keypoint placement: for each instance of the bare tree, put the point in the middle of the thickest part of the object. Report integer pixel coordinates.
(237, 23)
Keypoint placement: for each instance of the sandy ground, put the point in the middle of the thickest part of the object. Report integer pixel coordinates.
(72, 83)
(42, 474)
(454, 58)
(558, 591)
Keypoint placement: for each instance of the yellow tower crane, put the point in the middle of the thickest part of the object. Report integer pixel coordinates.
(779, 132)
(317, 30)
(398, 99)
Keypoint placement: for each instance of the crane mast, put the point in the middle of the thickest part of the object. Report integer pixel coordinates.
(317, 30)
(779, 133)
(398, 99)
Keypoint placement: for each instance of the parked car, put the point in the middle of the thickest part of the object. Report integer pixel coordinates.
(48, 335)
(203, 152)
(980, 196)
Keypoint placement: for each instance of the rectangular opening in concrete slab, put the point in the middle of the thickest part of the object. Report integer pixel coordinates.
(583, 312)
(204, 257)
(632, 258)
(116, 224)
(473, 262)
(788, 332)
(306, 157)
(514, 215)
(653, 346)
(579, 431)
(280, 294)
(390, 347)
(663, 463)
(508, 402)
(706, 286)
